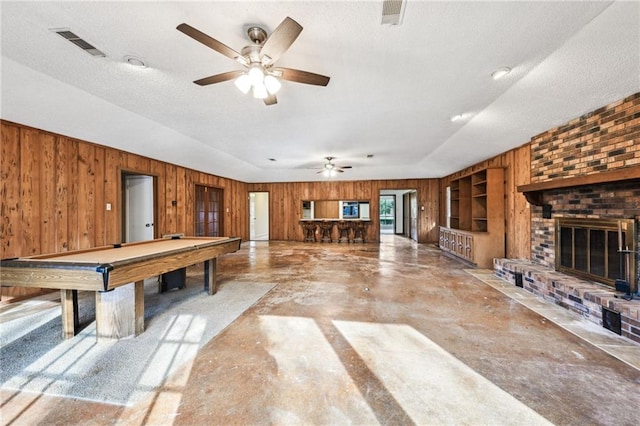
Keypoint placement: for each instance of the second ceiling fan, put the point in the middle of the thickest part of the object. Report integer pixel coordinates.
(260, 74)
(330, 169)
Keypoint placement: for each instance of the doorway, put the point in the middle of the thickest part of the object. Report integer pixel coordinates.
(387, 214)
(399, 212)
(209, 211)
(413, 201)
(138, 210)
(259, 216)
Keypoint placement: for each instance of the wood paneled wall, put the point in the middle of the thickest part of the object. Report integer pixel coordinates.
(517, 171)
(55, 189)
(285, 201)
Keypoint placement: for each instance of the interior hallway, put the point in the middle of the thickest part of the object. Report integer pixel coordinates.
(395, 333)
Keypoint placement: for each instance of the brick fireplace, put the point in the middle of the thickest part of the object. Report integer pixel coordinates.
(604, 142)
(607, 201)
(586, 171)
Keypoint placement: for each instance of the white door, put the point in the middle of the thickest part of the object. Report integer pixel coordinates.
(414, 215)
(138, 208)
(259, 216)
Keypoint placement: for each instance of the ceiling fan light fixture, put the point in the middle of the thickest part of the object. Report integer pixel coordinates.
(243, 83)
(259, 91)
(256, 74)
(258, 58)
(272, 84)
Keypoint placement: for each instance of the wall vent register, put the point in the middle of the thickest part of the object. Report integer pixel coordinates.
(82, 44)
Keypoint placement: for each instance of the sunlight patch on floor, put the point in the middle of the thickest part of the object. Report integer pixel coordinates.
(60, 367)
(311, 377)
(20, 318)
(431, 385)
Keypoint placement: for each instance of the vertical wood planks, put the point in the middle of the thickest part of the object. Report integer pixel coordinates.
(184, 208)
(30, 151)
(73, 223)
(61, 190)
(157, 170)
(100, 232)
(86, 196)
(519, 236)
(47, 193)
(11, 225)
(171, 195)
(112, 167)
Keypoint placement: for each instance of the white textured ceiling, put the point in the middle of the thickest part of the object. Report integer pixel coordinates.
(392, 92)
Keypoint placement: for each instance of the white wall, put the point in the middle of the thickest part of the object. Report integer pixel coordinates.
(259, 201)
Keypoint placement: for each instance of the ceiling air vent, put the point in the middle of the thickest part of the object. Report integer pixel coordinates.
(392, 11)
(82, 44)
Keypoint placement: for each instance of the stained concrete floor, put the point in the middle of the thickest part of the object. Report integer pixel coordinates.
(394, 333)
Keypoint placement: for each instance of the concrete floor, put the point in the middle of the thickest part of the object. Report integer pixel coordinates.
(395, 333)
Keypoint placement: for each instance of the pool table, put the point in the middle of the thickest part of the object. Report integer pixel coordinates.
(116, 274)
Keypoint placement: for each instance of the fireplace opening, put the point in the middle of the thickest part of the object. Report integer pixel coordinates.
(591, 249)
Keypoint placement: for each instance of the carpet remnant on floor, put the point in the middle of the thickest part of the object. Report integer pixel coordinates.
(177, 324)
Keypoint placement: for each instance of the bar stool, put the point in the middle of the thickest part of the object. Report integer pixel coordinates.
(359, 232)
(326, 228)
(309, 231)
(344, 227)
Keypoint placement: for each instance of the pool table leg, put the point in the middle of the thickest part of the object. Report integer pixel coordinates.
(69, 302)
(120, 312)
(210, 282)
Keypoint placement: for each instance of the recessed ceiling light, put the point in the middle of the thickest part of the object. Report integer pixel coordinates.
(500, 72)
(457, 117)
(134, 61)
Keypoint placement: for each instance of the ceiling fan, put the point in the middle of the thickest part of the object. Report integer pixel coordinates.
(330, 169)
(258, 58)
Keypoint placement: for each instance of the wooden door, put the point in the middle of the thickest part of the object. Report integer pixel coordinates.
(209, 211)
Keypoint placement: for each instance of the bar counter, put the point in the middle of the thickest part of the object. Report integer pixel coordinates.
(349, 230)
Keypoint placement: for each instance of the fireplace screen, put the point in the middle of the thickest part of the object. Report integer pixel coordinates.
(589, 248)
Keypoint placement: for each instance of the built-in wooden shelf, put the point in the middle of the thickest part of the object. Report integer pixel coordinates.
(476, 232)
(534, 191)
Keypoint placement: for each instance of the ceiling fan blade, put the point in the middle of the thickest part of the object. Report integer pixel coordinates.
(219, 78)
(339, 170)
(280, 40)
(346, 167)
(299, 76)
(270, 100)
(212, 43)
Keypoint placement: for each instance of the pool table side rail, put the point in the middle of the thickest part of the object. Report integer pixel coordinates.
(187, 243)
(92, 276)
(84, 277)
(128, 271)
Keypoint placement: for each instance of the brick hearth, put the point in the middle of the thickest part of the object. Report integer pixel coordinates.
(582, 297)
